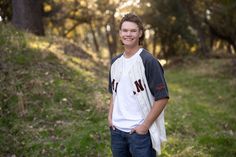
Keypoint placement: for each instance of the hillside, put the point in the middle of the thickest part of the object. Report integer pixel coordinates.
(53, 101)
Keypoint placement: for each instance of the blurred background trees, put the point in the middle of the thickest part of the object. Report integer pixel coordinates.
(28, 15)
(173, 28)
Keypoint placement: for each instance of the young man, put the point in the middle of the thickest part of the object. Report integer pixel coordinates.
(139, 96)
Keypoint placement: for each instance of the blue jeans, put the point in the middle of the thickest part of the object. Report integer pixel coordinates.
(124, 144)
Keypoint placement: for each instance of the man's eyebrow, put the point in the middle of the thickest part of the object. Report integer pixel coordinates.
(132, 29)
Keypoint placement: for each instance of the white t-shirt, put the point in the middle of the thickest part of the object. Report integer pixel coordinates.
(126, 113)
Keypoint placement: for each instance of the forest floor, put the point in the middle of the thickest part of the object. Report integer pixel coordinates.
(54, 100)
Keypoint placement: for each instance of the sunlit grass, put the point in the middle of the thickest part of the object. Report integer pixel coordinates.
(55, 113)
(201, 112)
(55, 104)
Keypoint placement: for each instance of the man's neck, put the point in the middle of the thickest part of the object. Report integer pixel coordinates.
(129, 52)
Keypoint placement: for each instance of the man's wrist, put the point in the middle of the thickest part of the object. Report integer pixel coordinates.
(146, 126)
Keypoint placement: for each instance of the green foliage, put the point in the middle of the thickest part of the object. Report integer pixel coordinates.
(5, 10)
(201, 113)
(169, 20)
(222, 19)
(46, 107)
(11, 39)
(180, 27)
(50, 108)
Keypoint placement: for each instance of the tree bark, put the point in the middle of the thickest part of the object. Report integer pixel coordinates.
(196, 23)
(94, 37)
(154, 44)
(109, 44)
(27, 15)
(5, 10)
(111, 35)
(221, 34)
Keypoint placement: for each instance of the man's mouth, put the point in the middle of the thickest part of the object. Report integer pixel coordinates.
(128, 39)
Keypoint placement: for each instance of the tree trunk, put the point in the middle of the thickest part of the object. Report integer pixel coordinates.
(5, 10)
(154, 43)
(221, 34)
(233, 41)
(94, 38)
(27, 15)
(196, 23)
(111, 35)
(109, 44)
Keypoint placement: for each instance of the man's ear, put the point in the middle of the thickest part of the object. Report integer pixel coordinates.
(140, 33)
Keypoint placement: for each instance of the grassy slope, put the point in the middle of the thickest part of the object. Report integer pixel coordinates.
(48, 105)
(52, 104)
(201, 114)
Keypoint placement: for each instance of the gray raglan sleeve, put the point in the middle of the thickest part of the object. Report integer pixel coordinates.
(155, 78)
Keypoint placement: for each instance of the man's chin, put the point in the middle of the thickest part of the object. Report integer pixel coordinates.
(128, 44)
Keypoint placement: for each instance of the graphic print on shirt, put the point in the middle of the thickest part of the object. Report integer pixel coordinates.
(139, 86)
(114, 85)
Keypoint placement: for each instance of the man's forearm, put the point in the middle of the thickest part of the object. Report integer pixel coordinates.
(155, 111)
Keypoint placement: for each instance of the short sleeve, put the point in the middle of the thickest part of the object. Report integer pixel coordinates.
(155, 78)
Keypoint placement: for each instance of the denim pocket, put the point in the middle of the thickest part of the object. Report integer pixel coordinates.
(141, 134)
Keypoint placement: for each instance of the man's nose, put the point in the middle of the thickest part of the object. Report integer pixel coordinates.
(129, 33)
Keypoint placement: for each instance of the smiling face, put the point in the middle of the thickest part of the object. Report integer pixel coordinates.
(130, 34)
